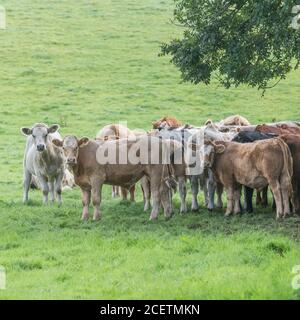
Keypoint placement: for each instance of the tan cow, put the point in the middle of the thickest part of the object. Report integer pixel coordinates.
(256, 165)
(115, 132)
(134, 159)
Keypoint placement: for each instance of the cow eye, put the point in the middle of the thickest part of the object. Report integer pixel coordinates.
(33, 136)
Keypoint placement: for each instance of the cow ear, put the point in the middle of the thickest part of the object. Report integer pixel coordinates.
(53, 128)
(57, 142)
(154, 124)
(83, 142)
(219, 148)
(26, 131)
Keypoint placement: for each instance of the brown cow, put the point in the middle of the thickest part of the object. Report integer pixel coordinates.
(166, 122)
(115, 132)
(293, 141)
(85, 158)
(278, 129)
(252, 165)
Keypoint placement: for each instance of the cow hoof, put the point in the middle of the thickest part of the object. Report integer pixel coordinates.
(210, 209)
(85, 217)
(96, 217)
(152, 218)
(195, 209)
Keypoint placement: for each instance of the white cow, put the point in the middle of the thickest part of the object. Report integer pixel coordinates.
(43, 160)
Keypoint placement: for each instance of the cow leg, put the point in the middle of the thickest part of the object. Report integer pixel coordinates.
(264, 201)
(275, 187)
(195, 190)
(248, 194)
(124, 193)
(166, 201)
(182, 193)
(297, 199)
(285, 184)
(229, 194)
(237, 198)
(45, 188)
(273, 203)
(132, 193)
(115, 191)
(211, 191)
(96, 197)
(258, 198)
(156, 203)
(26, 184)
(219, 195)
(203, 184)
(51, 190)
(145, 184)
(58, 187)
(156, 188)
(86, 199)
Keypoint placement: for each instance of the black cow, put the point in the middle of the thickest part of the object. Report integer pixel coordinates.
(247, 137)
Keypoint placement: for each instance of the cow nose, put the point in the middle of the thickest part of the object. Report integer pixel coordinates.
(40, 147)
(71, 160)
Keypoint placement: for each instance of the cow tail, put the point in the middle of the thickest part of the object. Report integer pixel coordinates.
(170, 179)
(288, 162)
(168, 169)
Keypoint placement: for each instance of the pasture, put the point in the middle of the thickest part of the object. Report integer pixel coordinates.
(86, 64)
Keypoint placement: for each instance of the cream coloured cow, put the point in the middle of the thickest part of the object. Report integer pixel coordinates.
(43, 160)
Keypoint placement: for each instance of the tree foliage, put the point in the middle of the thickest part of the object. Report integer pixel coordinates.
(239, 41)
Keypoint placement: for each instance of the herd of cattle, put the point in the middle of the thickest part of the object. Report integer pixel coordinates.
(233, 154)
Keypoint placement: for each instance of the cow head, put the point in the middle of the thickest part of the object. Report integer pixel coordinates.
(70, 146)
(210, 148)
(39, 133)
(166, 123)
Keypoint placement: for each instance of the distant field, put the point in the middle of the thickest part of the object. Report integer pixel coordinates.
(85, 64)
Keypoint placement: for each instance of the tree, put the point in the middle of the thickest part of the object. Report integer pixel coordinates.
(239, 41)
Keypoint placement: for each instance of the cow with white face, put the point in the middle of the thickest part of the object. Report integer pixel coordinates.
(43, 160)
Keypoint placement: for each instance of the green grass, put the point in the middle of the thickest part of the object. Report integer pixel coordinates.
(86, 64)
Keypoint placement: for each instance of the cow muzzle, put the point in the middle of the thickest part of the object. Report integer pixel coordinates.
(71, 161)
(40, 147)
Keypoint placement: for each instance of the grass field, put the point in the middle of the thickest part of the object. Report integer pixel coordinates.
(86, 64)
